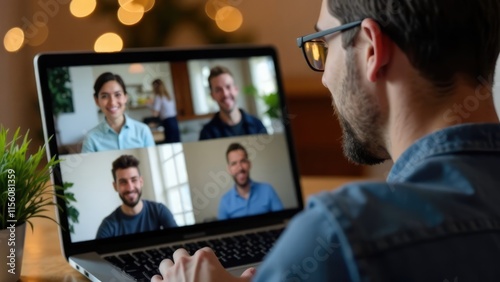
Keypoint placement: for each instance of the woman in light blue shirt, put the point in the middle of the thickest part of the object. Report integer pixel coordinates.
(117, 131)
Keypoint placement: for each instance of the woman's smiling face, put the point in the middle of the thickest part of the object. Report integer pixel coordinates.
(112, 100)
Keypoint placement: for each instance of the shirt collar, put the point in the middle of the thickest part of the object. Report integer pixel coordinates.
(108, 128)
(244, 118)
(235, 191)
(459, 138)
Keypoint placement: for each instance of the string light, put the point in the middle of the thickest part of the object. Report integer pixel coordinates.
(108, 42)
(228, 18)
(127, 17)
(212, 6)
(13, 39)
(131, 5)
(82, 8)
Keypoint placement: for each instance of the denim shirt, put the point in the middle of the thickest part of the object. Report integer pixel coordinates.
(437, 218)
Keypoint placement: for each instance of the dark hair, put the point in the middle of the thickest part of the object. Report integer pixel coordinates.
(160, 88)
(124, 162)
(442, 38)
(216, 71)
(105, 77)
(235, 147)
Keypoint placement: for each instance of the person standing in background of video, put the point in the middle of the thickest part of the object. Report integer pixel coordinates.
(246, 197)
(118, 130)
(164, 108)
(230, 120)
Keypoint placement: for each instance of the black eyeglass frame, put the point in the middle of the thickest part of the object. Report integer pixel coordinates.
(310, 37)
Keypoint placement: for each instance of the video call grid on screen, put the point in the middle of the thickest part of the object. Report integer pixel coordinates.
(189, 177)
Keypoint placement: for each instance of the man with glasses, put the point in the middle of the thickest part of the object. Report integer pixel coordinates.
(411, 81)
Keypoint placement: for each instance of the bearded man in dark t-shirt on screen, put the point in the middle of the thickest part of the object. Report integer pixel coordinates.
(134, 215)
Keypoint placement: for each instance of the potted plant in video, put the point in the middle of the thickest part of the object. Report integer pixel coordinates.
(271, 101)
(25, 193)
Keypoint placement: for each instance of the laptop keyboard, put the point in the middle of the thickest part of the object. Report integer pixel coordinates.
(231, 251)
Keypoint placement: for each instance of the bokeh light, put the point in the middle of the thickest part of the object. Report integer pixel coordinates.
(108, 42)
(82, 8)
(127, 17)
(229, 18)
(131, 5)
(212, 6)
(13, 39)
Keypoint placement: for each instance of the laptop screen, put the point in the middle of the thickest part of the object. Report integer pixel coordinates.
(168, 142)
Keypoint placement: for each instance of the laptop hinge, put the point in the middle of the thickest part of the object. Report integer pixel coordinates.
(194, 235)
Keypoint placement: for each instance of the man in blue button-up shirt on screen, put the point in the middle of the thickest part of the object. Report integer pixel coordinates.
(410, 81)
(246, 197)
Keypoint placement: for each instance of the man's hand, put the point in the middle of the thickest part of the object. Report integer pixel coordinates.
(202, 266)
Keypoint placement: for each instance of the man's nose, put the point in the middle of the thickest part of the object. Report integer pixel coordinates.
(323, 80)
(238, 166)
(226, 92)
(129, 185)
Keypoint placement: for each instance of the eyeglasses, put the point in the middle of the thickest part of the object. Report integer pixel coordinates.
(315, 48)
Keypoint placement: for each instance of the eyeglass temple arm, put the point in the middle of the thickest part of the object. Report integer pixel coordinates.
(301, 40)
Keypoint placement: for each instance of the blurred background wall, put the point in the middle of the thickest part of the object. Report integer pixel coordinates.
(49, 25)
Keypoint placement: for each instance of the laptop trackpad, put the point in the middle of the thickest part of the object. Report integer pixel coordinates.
(237, 271)
(92, 266)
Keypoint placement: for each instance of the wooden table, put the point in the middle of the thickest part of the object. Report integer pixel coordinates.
(43, 260)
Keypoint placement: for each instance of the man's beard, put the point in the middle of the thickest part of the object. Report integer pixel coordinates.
(354, 149)
(364, 118)
(228, 111)
(131, 204)
(243, 184)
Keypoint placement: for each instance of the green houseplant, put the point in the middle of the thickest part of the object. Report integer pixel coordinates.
(25, 193)
(59, 84)
(271, 100)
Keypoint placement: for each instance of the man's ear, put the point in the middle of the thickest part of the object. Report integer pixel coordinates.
(114, 186)
(378, 50)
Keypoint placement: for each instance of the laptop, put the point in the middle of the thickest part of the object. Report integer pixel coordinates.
(189, 177)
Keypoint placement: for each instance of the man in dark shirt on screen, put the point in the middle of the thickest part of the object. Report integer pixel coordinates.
(134, 215)
(230, 120)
